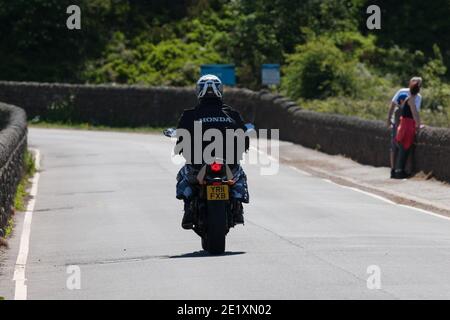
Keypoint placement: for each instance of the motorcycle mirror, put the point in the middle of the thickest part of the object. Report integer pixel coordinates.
(249, 127)
(170, 133)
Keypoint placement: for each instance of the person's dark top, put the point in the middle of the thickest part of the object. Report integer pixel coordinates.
(406, 110)
(212, 114)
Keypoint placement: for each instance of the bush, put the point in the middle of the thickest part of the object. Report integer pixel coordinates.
(356, 46)
(29, 169)
(171, 62)
(436, 93)
(397, 63)
(319, 69)
(373, 108)
(62, 110)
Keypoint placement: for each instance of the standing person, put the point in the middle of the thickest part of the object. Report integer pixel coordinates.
(394, 114)
(406, 133)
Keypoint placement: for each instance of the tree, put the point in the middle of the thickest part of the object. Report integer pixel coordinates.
(414, 25)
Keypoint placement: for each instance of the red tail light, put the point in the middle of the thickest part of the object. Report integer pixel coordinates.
(216, 167)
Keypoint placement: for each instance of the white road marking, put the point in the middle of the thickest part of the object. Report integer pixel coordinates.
(425, 211)
(361, 191)
(21, 262)
(370, 194)
(271, 158)
(301, 171)
(389, 201)
(331, 182)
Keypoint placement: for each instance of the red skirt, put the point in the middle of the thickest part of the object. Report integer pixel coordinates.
(406, 132)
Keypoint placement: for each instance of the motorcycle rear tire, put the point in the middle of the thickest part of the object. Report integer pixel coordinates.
(216, 228)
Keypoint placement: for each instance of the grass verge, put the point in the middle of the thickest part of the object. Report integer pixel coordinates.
(29, 168)
(371, 109)
(20, 199)
(9, 228)
(90, 127)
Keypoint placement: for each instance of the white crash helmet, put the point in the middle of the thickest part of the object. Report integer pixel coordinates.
(209, 86)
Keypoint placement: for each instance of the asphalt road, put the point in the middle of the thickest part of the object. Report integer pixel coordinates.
(106, 204)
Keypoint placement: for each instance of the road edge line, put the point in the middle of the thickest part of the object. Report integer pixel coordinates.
(20, 291)
(359, 187)
(356, 185)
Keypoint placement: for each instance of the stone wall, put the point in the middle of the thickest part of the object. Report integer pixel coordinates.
(13, 143)
(362, 140)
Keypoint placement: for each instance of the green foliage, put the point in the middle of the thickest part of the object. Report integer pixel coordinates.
(265, 31)
(355, 45)
(29, 170)
(346, 73)
(319, 69)
(413, 25)
(437, 94)
(37, 44)
(372, 108)
(397, 63)
(169, 54)
(171, 62)
(245, 32)
(61, 110)
(9, 228)
(20, 198)
(327, 52)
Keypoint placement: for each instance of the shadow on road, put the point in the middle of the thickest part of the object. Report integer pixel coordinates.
(204, 254)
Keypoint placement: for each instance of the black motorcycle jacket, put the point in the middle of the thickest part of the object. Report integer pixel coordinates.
(212, 114)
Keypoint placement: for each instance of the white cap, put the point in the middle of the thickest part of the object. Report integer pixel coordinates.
(417, 79)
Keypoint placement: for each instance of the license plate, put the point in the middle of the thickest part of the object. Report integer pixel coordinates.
(217, 193)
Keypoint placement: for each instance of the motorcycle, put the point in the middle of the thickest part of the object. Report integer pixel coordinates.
(213, 206)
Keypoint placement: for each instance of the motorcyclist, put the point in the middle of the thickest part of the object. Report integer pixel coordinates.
(212, 113)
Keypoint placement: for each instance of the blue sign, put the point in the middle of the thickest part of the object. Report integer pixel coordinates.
(271, 74)
(225, 72)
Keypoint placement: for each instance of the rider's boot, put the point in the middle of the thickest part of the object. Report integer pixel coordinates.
(238, 213)
(188, 219)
